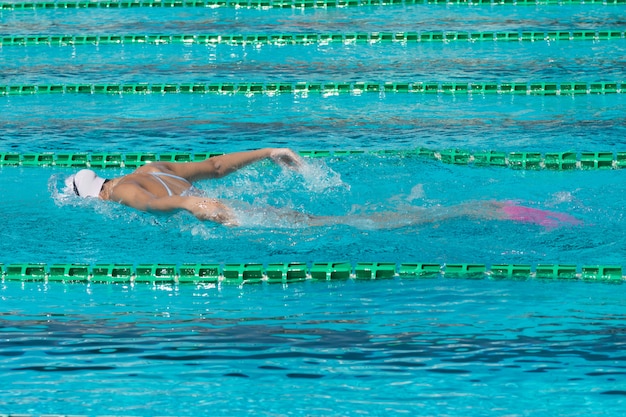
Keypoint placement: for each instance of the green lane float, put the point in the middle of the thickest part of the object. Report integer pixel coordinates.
(314, 38)
(289, 4)
(292, 272)
(559, 161)
(563, 88)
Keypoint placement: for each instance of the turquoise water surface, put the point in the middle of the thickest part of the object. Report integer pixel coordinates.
(419, 347)
(441, 346)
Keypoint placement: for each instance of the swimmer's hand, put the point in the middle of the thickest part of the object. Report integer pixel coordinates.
(287, 158)
(208, 209)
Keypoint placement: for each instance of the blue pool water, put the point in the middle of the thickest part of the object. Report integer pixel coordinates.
(446, 347)
(349, 348)
(201, 123)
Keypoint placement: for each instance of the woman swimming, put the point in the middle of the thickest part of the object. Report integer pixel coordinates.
(162, 187)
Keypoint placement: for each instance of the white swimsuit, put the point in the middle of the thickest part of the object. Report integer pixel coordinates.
(189, 191)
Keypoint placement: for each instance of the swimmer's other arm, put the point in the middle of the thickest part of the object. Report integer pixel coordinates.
(201, 207)
(222, 165)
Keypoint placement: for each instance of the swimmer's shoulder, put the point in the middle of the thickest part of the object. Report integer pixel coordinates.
(154, 167)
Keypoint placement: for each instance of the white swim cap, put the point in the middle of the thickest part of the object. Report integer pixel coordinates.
(85, 183)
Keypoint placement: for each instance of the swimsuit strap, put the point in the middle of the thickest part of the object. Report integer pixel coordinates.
(165, 174)
(158, 176)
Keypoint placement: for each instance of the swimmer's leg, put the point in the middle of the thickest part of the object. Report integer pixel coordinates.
(372, 221)
(381, 220)
(411, 216)
(479, 210)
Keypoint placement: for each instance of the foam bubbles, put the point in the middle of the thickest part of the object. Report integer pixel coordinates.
(260, 215)
(417, 193)
(61, 196)
(563, 197)
(318, 177)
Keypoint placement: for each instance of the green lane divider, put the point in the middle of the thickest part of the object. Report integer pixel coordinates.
(326, 88)
(560, 161)
(291, 272)
(97, 160)
(289, 4)
(314, 38)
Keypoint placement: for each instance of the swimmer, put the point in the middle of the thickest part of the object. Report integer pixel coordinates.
(162, 187)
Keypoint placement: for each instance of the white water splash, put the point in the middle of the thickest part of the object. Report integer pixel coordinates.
(318, 177)
(562, 197)
(417, 193)
(61, 196)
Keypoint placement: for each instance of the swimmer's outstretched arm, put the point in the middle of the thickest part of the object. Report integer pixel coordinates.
(203, 208)
(222, 165)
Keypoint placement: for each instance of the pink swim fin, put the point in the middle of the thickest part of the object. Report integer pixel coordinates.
(548, 219)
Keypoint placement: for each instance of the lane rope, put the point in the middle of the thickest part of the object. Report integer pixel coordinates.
(250, 273)
(281, 39)
(559, 161)
(289, 4)
(566, 88)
